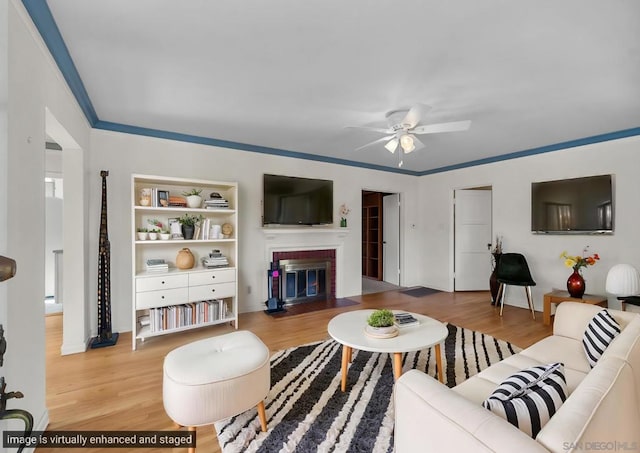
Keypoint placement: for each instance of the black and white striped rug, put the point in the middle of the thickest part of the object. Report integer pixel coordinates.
(307, 412)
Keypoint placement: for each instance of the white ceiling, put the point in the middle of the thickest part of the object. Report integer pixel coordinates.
(290, 75)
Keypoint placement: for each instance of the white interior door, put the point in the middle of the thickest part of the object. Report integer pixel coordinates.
(391, 238)
(472, 264)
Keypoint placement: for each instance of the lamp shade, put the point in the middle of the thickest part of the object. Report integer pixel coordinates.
(623, 280)
(406, 141)
(392, 145)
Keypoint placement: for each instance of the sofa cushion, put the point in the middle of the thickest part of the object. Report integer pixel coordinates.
(528, 399)
(600, 332)
(555, 348)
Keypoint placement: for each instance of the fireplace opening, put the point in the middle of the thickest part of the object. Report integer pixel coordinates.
(304, 280)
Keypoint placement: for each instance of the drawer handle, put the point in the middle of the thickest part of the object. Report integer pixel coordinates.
(213, 290)
(162, 297)
(213, 276)
(163, 282)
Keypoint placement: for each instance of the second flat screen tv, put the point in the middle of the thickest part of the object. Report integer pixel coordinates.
(578, 206)
(289, 200)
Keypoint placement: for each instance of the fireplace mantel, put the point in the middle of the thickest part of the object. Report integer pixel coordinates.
(274, 232)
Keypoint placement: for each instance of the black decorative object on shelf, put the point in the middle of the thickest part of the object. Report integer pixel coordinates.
(105, 336)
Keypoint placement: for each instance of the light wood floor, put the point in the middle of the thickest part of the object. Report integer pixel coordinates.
(115, 388)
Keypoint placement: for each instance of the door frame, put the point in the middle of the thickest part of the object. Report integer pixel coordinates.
(400, 230)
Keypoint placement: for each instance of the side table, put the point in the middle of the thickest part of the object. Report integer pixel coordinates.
(558, 296)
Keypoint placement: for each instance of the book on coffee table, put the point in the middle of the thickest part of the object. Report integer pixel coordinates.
(405, 320)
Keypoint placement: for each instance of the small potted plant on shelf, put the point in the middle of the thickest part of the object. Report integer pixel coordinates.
(188, 223)
(155, 227)
(381, 323)
(165, 234)
(194, 200)
(142, 234)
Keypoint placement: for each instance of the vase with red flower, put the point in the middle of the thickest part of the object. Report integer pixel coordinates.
(575, 283)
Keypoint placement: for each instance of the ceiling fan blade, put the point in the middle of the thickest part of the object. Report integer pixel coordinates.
(414, 115)
(375, 141)
(442, 127)
(392, 145)
(417, 144)
(374, 129)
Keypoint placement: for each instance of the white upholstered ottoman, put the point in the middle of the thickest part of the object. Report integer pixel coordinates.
(216, 378)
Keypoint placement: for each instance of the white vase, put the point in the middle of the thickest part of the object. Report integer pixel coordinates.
(153, 236)
(194, 201)
(165, 236)
(142, 236)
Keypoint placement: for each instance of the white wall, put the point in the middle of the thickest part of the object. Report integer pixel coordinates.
(511, 181)
(124, 154)
(34, 83)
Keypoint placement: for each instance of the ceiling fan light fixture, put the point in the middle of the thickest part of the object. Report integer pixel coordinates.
(392, 145)
(406, 142)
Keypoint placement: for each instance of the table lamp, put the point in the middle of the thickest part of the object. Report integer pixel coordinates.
(623, 281)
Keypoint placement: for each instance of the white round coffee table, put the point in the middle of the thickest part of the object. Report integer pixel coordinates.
(348, 329)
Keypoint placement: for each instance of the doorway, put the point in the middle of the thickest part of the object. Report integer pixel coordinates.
(472, 239)
(75, 330)
(380, 241)
(53, 239)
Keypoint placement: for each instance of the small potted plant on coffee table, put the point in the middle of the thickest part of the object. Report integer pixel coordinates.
(381, 324)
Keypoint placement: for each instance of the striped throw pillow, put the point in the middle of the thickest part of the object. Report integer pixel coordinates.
(529, 398)
(600, 332)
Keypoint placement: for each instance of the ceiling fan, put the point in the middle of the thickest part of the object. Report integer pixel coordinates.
(404, 126)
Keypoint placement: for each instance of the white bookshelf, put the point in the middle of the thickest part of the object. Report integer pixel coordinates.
(158, 293)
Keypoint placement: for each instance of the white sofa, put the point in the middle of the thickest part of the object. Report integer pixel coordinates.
(602, 411)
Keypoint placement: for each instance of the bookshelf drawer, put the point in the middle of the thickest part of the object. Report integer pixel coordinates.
(151, 299)
(212, 276)
(161, 282)
(217, 291)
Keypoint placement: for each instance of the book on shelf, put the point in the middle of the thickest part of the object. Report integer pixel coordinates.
(405, 320)
(219, 203)
(215, 259)
(157, 265)
(204, 227)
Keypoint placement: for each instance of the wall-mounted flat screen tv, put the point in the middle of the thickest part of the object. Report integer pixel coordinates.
(289, 200)
(578, 206)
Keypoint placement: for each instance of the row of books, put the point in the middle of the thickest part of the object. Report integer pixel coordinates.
(215, 259)
(206, 230)
(216, 203)
(192, 314)
(157, 265)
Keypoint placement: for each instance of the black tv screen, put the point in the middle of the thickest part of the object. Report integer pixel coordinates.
(289, 200)
(578, 205)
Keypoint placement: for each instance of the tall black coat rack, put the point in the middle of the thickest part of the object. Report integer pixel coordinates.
(105, 336)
